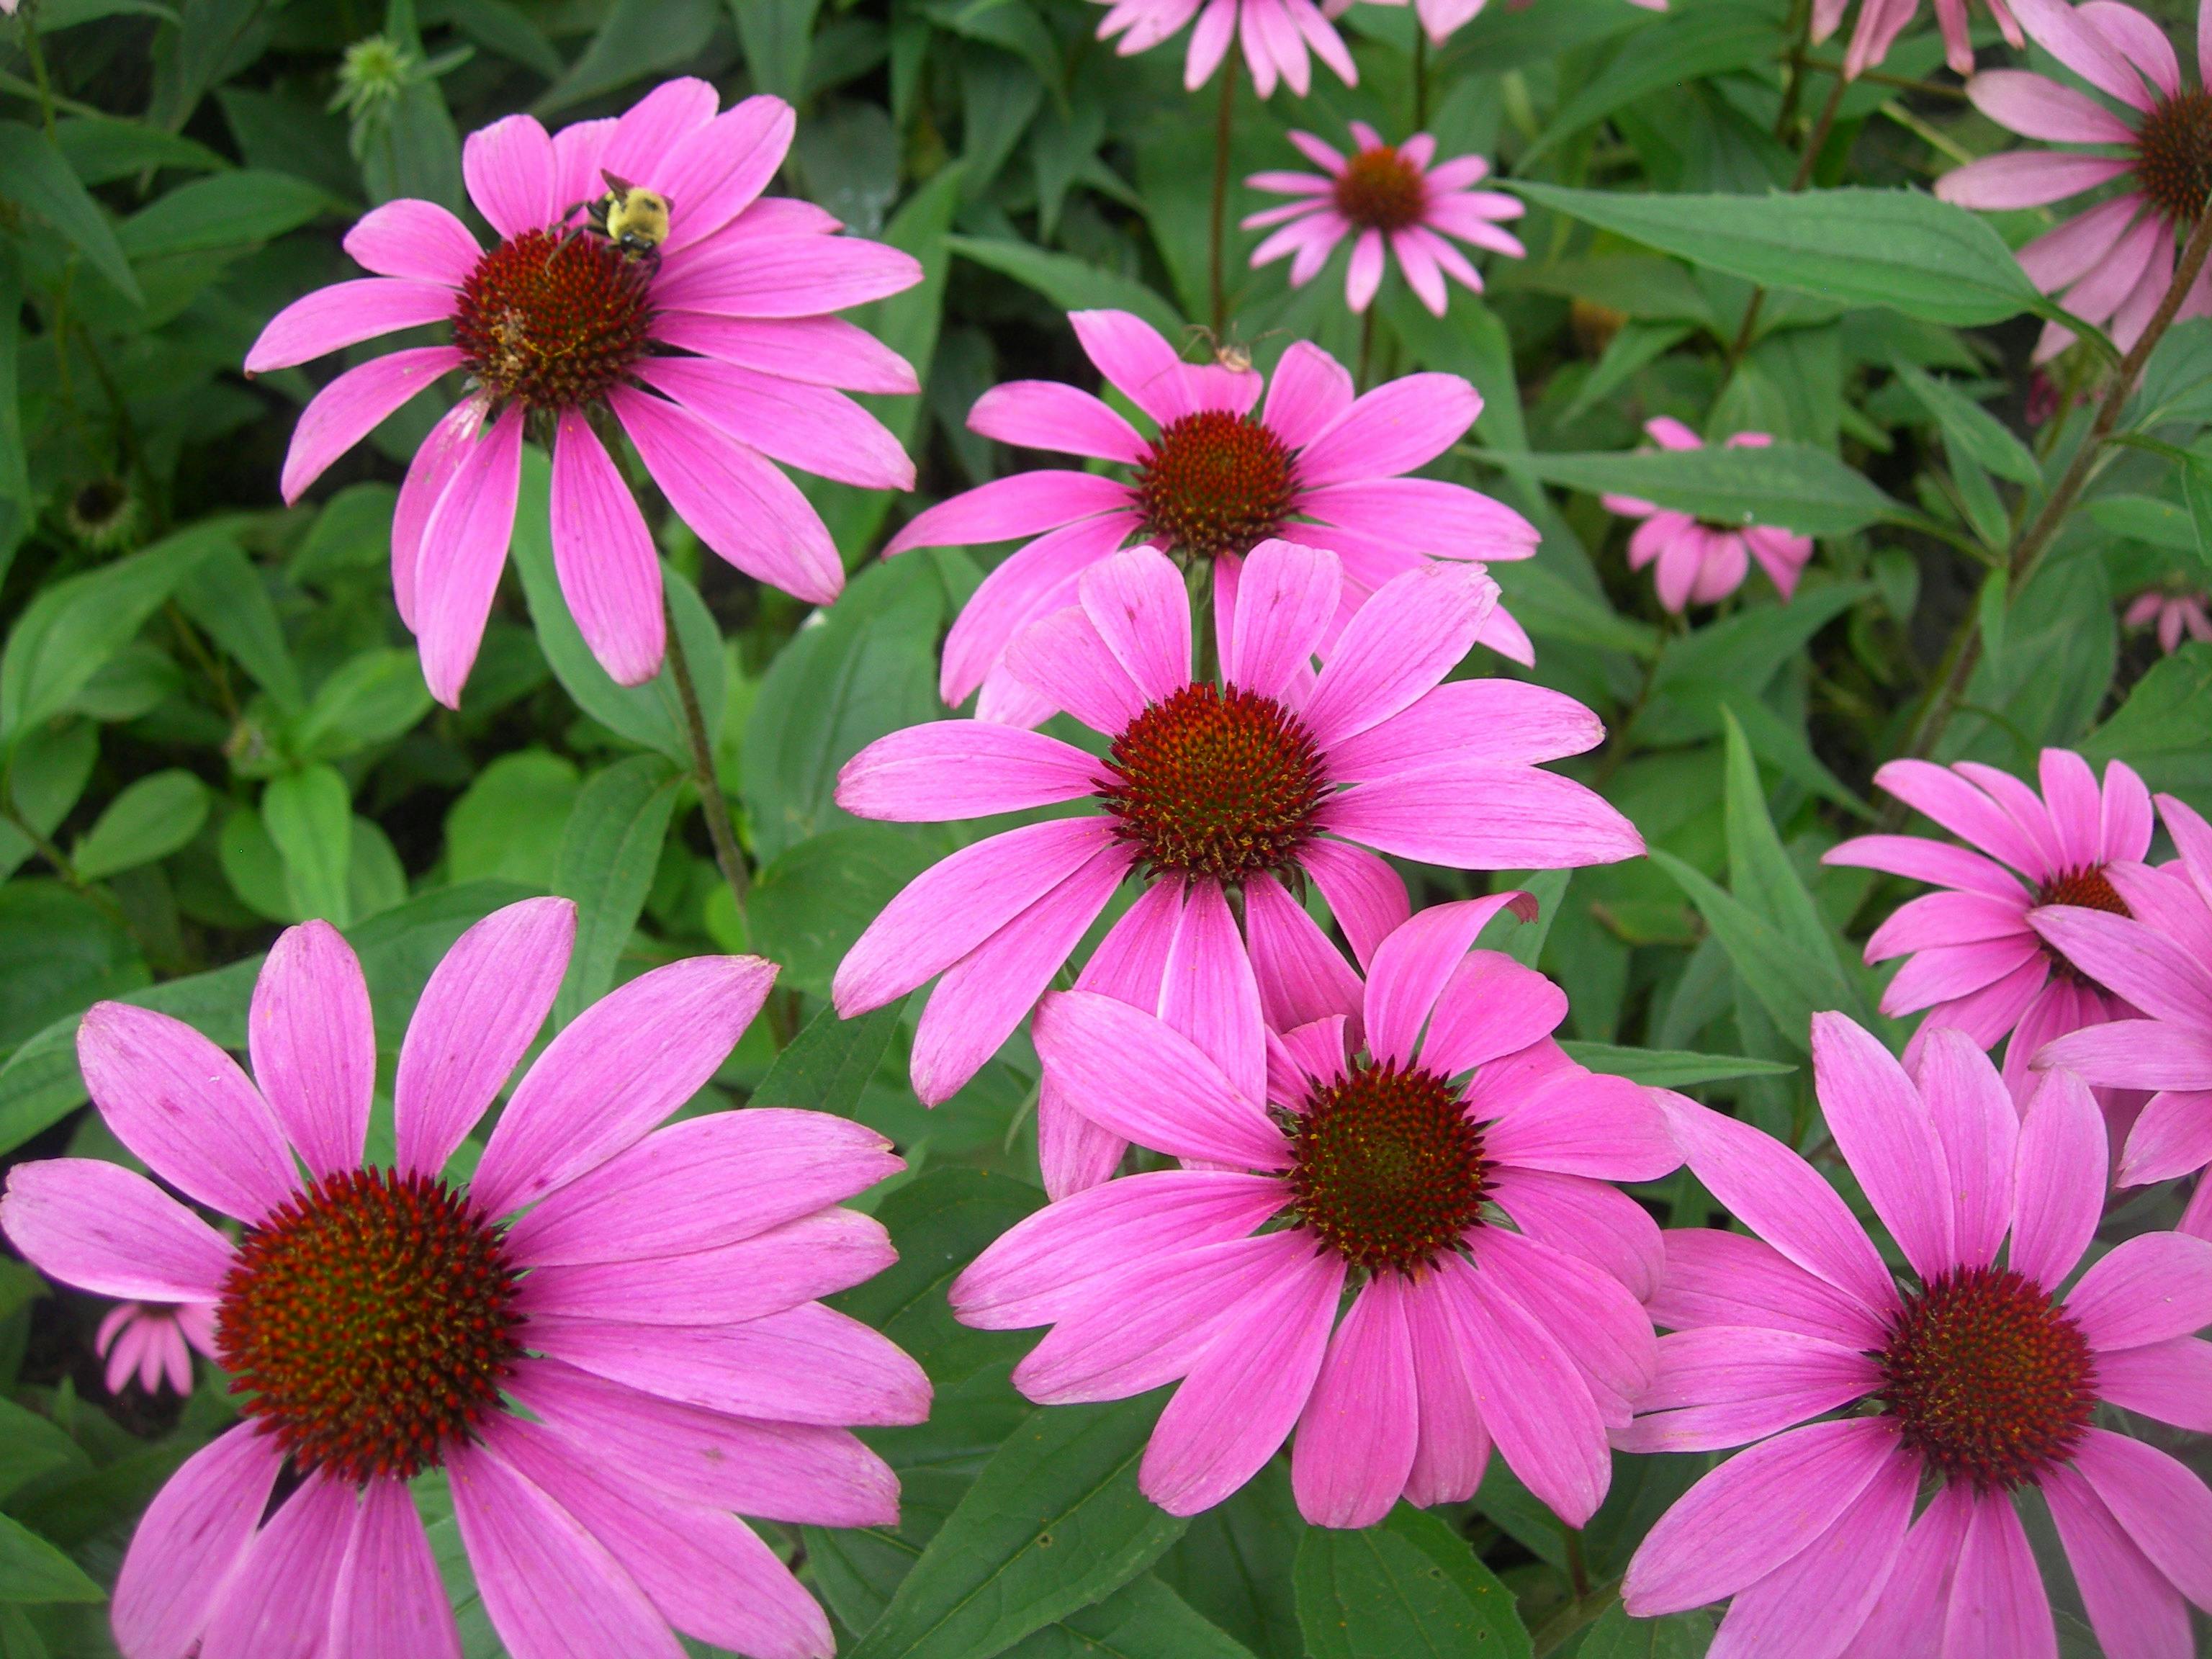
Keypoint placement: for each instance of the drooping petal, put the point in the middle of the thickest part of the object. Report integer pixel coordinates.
(277, 1604)
(464, 550)
(389, 1603)
(2132, 1606)
(1999, 1609)
(1367, 897)
(604, 558)
(103, 1228)
(1362, 1423)
(194, 1530)
(354, 405)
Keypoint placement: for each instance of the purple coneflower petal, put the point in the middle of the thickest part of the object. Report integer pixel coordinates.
(313, 1045)
(104, 1228)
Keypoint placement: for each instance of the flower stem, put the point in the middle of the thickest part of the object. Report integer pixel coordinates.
(1816, 142)
(1420, 77)
(716, 810)
(1217, 287)
(1965, 649)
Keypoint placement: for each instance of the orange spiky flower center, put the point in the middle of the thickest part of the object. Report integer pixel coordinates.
(1381, 189)
(1215, 483)
(1387, 1166)
(368, 1323)
(1990, 1380)
(2088, 888)
(1215, 783)
(553, 320)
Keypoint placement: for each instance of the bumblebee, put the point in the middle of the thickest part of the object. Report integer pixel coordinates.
(635, 220)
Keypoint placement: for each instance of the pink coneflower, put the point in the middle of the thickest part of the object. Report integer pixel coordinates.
(1273, 774)
(1701, 562)
(715, 352)
(1276, 34)
(1317, 466)
(2114, 262)
(1385, 196)
(1382, 1162)
(155, 1341)
(1978, 961)
(1881, 21)
(1979, 1379)
(652, 1310)
(2159, 956)
(2175, 611)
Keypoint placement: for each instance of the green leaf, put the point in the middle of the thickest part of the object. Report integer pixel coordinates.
(30, 1447)
(827, 1066)
(776, 35)
(1790, 983)
(1970, 429)
(150, 820)
(2164, 730)
(1052, 1524)
(75, 626)
(1793, 485)
(1400, 1591)
(31, 1569)
(1235, 1565)
(649, 716)
(226, 597)
(309, 816)
(813, 901)
(609, 853)
(372, 698)
(16, 506)
(509, 821)
(34, 175)
(1070, 283)
(1617, 1636)
(1742, 653)
(1669, 1068)
(63, 954)
(640, 38)
(941, 1221)
(2144, 518)
(1690, 46)
(1859, 247)
(1143, 1619)
(223, 211)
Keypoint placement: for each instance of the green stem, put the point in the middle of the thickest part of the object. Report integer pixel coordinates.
(716, 810)
(1420, 77)
(1217, 287)
(1808, 159)
(1965, 649)
(1366, 345)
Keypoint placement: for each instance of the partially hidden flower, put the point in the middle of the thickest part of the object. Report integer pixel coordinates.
(1965, 1377)
(1213, 480)
(1493, 1275)
(1881, 21)
(1701, 561)
(1277, 36)
(648, 1297)
(2114, 262)
(1390, 200)
(2175, 612)
(1978, 961)
(154, 1341)
(2158, 957)
(715, 351)
(1441, 19)
(1269, 777)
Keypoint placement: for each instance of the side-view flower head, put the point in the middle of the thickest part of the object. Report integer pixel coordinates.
(2113, 262)
(2173, 612)
(708, 339)
(1278, 38)
(1313, 465)
(1390, 199)
(2159, 956)
(1972, 1381)
(1881, 21)
(651, 1308)
(1494, 1275)
(1701, 562)
(154, 1342)
(1272, 775)
(1978, 961)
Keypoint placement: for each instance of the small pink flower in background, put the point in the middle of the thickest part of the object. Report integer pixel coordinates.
(1978, 960)
(1441, 19)
(2159, 956)
(1981, 1379)
(2113, 262)
(1357, 1132)
(652, 1308)
(1700, 562)
(1316, 465)
(1277, 36)
(1384, 197)
(155, 1342)
(717, 355)
(1274, 775)
(1881, 21)
(2175, 613)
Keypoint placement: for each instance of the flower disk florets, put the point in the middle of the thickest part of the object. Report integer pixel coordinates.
(1214, 484)
(1388, 1167)
(2173, 156)
(1215, 783)
(1380, 190)
(553, 319)
(2088, 889)
(1988, 1380)
(369, 1322)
